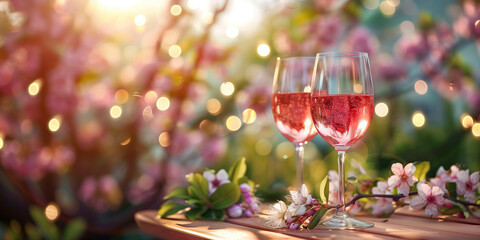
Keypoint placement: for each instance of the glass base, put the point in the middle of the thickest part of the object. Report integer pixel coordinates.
(343, 221)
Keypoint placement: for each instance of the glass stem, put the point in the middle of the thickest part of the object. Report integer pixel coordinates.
(300, 151)
(341, 180)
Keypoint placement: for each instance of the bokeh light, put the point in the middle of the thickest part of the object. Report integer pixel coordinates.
(263, 147)
(381, 109)
(284, 150)
(387, 8)
(227, 88)
(34, 87)
(163, 103)
(231, 32)
(194, 4)
(125, 142)
(357, 88)
(1, 141)
(466, 120)
(55, 123)
(121, 96)
(421, 87)
(249, 116)
(52, 212)
(370, 4)
(418, 119)
(214, 106)
(263, 50)
(174, 51)
(164, 139)
(151, 97)
(233, 123)
(476, 129)
(176, 10)
(140, 20)
(115, 111)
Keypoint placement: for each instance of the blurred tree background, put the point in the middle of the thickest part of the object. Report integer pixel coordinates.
(107, 104)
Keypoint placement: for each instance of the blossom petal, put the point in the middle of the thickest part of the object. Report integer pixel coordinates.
(423, 190)
(397, 168)
(404, 189)
(462, 176)
(440, 171)
(431, 210)
(474, 177)
(461, 188)
(436, 191)
(417, 202)
(410, 169)
(209, 176)
(393, 181)
(382, 186)
(222, 175)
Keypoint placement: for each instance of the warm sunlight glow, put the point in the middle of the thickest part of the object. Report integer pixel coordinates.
(52, 211)
(140, 20)
(214, 106)
(176, 10)
(164, 139)
(194, 4)
(476, 130)
(418, 119)
(227, 88)
(381, 109)
(115, 111)
(263, 50)
(34, 87)
(421, 87)
(467, 120)
(55, 123)
(249, 116)
(174, 51)
(233, 123)
(232, 32)
(163, 103)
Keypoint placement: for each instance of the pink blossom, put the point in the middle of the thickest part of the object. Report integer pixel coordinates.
(235, 211)
(443, 177)
(382, 205)
(467, 184)
(431, 197)
(412, 48)
(362, 40)
(216, 180)
(392, 70)
(403, 178)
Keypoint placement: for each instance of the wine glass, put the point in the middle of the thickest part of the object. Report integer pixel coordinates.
(291, 104)
(342, 109)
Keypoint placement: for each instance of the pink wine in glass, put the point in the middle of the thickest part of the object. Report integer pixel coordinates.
(291, 112)
(342, 119)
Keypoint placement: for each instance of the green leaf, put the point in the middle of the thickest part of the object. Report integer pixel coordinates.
(198, 202)
(214, 214)
(225, 196)
(170, 207)
(422, 169)
(48, 229)
(324, 189)
(194, 213)
(237, 170)
(450, 211)
(316, 218)
(32, 232)
(459, 205)
(197, 181)
(180, 192)
(452, 189)
(74, 229)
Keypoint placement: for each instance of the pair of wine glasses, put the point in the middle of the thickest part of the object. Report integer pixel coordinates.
(331, 94)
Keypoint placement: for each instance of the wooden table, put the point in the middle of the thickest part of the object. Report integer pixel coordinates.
(404, 224)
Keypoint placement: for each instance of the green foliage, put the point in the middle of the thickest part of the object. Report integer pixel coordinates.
(47, 228)
(317, 217)
(74, 229)
(324, 189)
(422, 169)
(196, 195)
(452, 189)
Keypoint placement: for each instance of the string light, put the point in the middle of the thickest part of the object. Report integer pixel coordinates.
(476, 129)
(55, 123)
(421, 87)
(214, 106)
(249, 116)
(176, 10)
(115, 111)
(174, 51)
(52, 211)
(263, 50)
(233, 123)
(418, 119)
(1, 141)
(466, 120)
(34, 87)
(164, 139)
(163, 103)
(227, 88)
(381, 109)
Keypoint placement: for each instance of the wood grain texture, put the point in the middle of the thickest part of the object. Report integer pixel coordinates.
(398, 226)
